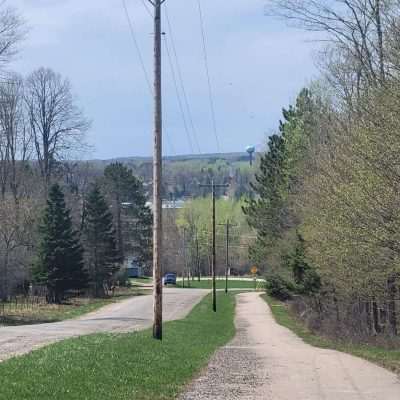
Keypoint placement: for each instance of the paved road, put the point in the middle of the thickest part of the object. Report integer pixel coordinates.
(124, 316)
(267, 361)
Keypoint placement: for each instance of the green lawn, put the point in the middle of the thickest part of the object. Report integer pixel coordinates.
(76, 307)
(207, 284)
(140, 281)
(126, 366)
(389, 359)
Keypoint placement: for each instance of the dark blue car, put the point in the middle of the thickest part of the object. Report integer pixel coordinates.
(169, 279)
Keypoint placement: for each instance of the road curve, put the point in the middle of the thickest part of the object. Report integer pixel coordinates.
(128, 315)
(267, 361)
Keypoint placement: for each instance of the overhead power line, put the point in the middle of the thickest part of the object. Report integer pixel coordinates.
(131, 26)
(210, 92)
(180, 78)
(146, 6)
(178, 95)
(133, 35)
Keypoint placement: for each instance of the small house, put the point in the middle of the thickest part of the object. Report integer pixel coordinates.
(134, 268)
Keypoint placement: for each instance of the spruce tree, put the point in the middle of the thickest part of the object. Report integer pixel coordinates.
(100, 242)
(59, 264)
(133, 219)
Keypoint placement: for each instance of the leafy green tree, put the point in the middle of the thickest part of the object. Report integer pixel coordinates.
(59, 264)
(100, 244)
(196, 219)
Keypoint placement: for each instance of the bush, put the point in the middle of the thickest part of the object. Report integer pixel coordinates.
(121, 277)
(278, 287)
(311, 283)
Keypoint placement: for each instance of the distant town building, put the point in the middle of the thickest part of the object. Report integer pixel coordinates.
(169, 204)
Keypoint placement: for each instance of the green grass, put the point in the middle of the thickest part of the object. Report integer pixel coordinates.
(76, 307)
(122, 367)
(388, 358)
(220, 283)
(145, 280)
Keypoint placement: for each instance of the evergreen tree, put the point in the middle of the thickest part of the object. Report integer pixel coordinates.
(305, 276)
(100, 242)
(59, 264)
(265, 213)
(133, 219)
(271, 212)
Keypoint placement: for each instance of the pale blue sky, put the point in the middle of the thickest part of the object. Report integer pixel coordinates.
(257, 65)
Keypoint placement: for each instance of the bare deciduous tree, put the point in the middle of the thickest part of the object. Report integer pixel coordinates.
(12, 32)
(14, 136)
(16, 228)
(58, 126)
(357, 28)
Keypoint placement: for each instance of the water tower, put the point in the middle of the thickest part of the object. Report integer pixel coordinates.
(251, 150)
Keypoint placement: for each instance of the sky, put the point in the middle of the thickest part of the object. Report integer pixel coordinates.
(256, 63)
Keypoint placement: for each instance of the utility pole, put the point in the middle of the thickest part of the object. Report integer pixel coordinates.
(197, 257)
(157, 176)
(185, 263)
(213, 259)
(227, 225)
(184, 257)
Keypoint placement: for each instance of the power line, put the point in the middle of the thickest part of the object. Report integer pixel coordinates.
(178, 95)
(210, 93)
(179, 73)
(145, 5)
(133, 35)
(131, 26)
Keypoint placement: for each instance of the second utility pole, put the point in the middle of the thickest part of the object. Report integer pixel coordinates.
(213, 259)
(157, 176)
(228, 225)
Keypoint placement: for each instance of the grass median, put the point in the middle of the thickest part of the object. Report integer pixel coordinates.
(125, 366)
(220, 284)
(388, 358)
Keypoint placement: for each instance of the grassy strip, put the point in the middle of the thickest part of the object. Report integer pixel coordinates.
(141, 281)
(76, 307)
(207, 284)
(389, 359)
(121, 367)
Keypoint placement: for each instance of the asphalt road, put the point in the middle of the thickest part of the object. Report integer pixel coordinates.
(128, 315)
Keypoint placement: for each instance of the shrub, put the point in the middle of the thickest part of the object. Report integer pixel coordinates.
(278, 287)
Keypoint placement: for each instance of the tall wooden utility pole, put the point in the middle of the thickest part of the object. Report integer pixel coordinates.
(197, 257)
(157, 176)
(213, 259)
(185, 263)
(227, 225)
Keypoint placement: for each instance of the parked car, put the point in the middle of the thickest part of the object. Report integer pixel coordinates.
(169, 279)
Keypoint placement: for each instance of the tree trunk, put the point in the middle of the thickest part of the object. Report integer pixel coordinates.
(392, 317)
(370, 325)
(375, 315)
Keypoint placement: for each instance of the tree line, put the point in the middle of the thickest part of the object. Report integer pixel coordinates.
(63, 226)
(188, 234)
(327, 188)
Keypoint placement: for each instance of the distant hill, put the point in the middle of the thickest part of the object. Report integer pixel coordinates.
(229, 157)
(184, 174)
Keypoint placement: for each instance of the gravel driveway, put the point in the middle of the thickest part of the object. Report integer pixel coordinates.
(267, 361)
(127, 315)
